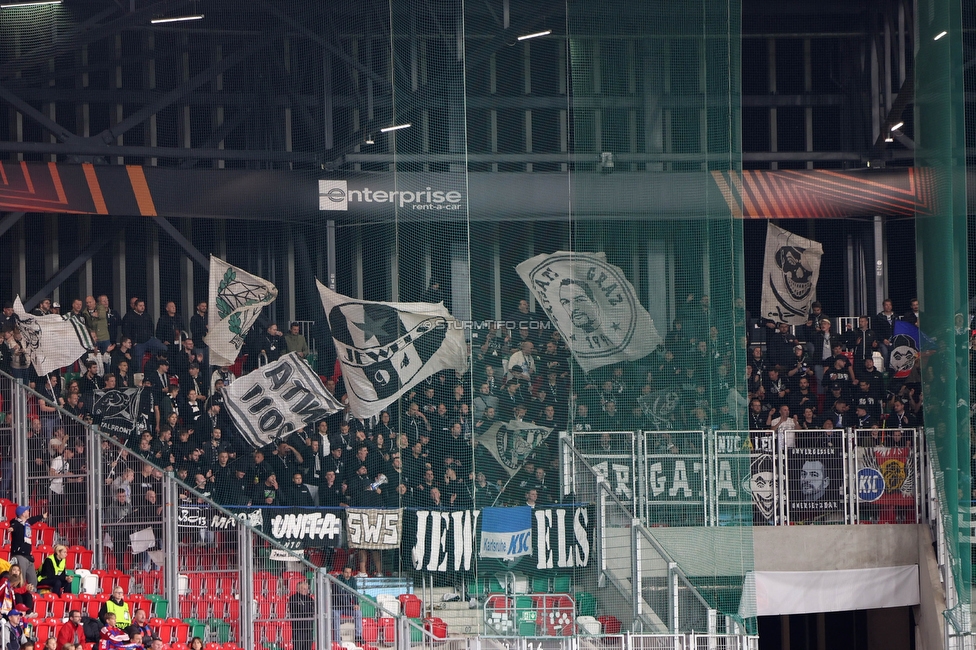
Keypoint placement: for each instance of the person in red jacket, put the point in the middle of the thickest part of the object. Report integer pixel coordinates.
(72, 630)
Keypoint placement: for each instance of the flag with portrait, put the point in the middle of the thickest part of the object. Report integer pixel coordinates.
(593, 305)
(791, 268)
(387, 348)
(236, 300)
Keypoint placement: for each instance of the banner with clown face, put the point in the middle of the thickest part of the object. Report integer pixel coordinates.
(791, 268)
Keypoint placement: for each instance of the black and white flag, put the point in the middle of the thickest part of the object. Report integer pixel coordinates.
(511, 443)
(791, 267)
(52, 341)
(116, 411)
(236, 300)
(593, 305)
(277, 399)
(387, 348)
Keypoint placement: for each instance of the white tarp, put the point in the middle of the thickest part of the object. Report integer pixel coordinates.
(808, 592)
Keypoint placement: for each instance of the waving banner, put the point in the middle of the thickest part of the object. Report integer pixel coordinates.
(791, 268)
(277, 399)
(53, 341)
(593, 305)
(116, 411)
(236, 300)
(387, 348)
(511, 443)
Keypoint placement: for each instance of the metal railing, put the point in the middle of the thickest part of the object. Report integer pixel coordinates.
(647, 579)
(231, 581)
(729, 477)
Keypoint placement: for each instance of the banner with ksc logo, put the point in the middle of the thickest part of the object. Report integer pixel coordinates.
(506, 533)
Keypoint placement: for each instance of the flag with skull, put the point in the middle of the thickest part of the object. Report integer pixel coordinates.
(791, 267)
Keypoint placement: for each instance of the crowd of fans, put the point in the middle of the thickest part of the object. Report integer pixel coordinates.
(424, 450)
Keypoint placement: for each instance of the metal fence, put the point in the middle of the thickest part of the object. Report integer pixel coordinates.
(203, 570)
(729, 477)
(645, 578)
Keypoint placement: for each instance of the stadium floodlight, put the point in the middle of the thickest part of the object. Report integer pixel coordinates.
(535, 35)
(176, 19)
(28, 3)
(897, 126)
(940, 35)
(395, 127)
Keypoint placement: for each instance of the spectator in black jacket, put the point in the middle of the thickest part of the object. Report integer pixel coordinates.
(22, 542)
(138, 326)
(169, 327)
(297, 493)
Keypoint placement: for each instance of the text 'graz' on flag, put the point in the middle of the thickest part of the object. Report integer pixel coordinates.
(593, 305)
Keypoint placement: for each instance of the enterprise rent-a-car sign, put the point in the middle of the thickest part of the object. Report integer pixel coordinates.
(336, 195)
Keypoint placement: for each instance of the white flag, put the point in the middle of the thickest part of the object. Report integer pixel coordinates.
(593, 305)
(52, 341)
(387, 348)
(236, 300)
(273, 401)
(791, 267)
(511, 443)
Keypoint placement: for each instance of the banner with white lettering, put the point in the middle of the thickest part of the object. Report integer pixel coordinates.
(116, 411)
(814, 483)
(213, 519)
(506, 533)
(373, 529)
(675, 469)
(277, 399)
(593, 305)
(562, 538)
(300, 528)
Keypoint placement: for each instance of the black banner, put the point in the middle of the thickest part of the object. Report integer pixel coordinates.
(205, 517)
(116, 411)
(562, 538)
(301, 528)
(814, 481)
